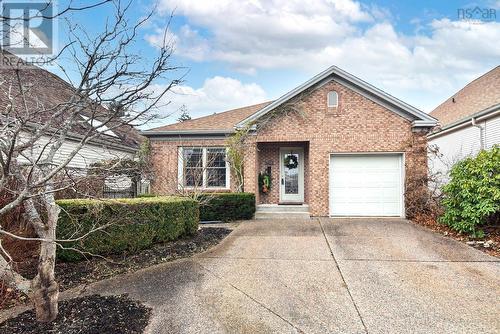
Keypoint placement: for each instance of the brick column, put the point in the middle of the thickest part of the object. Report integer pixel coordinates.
(318, 178)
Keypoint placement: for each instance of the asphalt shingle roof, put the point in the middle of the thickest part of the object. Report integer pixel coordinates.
(220, 121)
(476, 96)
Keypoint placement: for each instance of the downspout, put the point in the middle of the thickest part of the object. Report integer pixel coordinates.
(481, 132)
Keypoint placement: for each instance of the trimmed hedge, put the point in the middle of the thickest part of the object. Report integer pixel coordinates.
(136, 223)
(227, 206)
(472, 197)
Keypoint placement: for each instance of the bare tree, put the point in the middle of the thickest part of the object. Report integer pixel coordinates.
(101, 70)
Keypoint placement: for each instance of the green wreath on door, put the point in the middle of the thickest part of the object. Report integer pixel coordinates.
(291, 161)
(264, 182)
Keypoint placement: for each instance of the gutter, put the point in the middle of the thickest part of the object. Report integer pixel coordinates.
(201, 132)
(477, 117)
(103, 142)
(75, 136)
(481, 132)
(422, 123)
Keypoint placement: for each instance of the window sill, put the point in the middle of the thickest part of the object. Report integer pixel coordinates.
(214, 189)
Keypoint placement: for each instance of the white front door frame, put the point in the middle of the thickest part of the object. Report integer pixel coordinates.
(292, 198)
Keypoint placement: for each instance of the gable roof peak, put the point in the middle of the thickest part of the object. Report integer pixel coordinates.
(418, 117)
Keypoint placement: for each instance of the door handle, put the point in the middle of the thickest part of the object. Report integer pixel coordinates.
(282, 181)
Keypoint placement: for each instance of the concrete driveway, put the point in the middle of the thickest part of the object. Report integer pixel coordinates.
(323, 276)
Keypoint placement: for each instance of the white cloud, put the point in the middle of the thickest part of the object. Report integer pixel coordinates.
(422, 68)
(186, 42)
(264, 27)
(215, 95)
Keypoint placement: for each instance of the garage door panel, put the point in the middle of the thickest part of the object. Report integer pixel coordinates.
(367, 178)
(366, 185)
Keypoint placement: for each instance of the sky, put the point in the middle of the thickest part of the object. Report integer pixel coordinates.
(237, 53)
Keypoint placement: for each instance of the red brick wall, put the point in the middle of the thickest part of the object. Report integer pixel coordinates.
(358, 125)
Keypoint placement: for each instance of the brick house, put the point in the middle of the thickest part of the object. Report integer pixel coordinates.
(335, 145)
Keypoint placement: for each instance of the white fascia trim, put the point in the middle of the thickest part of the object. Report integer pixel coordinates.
(423, 124)
(152, 133)
(350, 78)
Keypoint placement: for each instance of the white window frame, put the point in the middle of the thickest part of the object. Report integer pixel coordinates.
(204, 186)
(328, 99)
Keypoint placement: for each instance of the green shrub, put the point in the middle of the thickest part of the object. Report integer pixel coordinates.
(146, 195)
(472, 197)
(133, 224)
(227, 206)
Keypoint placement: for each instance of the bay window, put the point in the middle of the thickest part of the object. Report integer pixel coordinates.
(203, 167)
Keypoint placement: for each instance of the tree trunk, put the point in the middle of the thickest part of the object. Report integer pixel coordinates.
(11, 278)
(45, 288)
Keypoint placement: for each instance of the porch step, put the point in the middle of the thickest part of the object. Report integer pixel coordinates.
(282, 208)
(275, 211)
(282, 215)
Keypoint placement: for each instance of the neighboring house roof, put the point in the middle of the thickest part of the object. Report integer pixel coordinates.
(479, 95)
(466, 121)
(48, 90)
(226, 122)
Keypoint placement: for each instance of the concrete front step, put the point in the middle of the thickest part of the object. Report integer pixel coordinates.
(282, 215)
(284, 211)
(283, 208)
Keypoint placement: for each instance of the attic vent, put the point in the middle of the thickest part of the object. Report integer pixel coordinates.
(333, 99)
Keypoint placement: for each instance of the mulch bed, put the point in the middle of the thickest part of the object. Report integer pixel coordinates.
(72, 274)
(86, 315)
(489, 244)
(10, 297)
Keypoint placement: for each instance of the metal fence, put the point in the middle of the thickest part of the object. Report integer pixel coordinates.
(109, 192)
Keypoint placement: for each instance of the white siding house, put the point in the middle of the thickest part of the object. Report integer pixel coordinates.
(462, 140)
(90, 153)
(41, 93)
(87, 155)
(469, 121)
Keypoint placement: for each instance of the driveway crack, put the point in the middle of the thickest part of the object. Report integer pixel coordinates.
(267, 308)
(342, 277)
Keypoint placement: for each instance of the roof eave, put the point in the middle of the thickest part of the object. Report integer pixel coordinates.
(99, 140)
(187, 132)
(423, 124)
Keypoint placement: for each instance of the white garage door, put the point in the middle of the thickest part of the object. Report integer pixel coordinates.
(366, 185)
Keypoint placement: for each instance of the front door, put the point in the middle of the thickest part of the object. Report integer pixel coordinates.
(291, 175)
